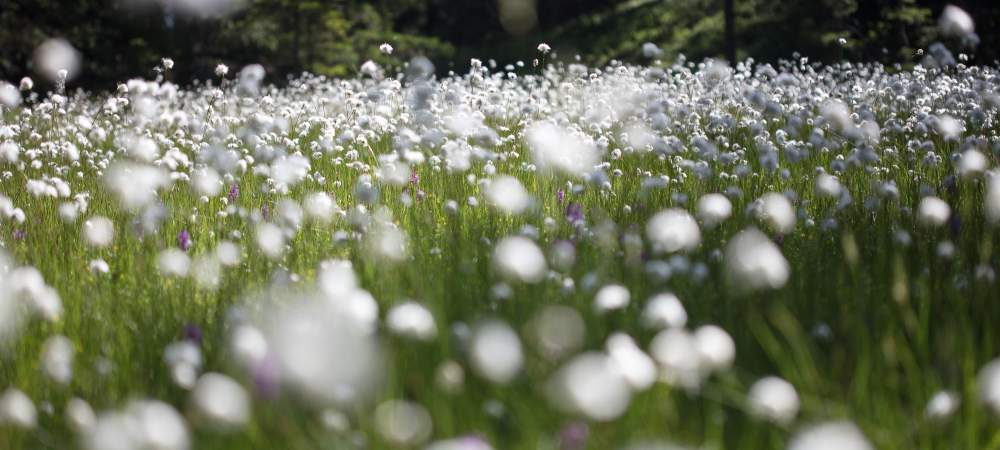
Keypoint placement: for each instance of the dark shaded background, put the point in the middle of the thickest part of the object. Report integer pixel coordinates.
(120, 40)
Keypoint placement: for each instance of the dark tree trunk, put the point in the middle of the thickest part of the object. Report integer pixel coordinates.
(730, 31)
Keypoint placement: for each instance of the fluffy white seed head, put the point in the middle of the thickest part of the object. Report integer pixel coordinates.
(933, 212)
(495, 351)
(753, 262)
(774, 399)
(518, 258)
(673, 230)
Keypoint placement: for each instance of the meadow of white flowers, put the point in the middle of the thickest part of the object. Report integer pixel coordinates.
(545, 255)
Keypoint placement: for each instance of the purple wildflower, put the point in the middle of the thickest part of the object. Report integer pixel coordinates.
(574, 212)
(184, 240)
(19, 235)
(265, 377)
(560, 196)
(234, 192)
(265, 212)
(573, 436)
(414, 178)
(193, 333)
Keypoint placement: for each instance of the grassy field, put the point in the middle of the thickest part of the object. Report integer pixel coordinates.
(889, 301)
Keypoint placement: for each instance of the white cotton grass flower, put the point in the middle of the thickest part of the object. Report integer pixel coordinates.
(949, 127)
(676, 352)
(716, 347)
(57, 359)
(834, 435)
(57, 60)
(228, 253)
(17, 409)
(10, 96)
(673, 230)
(98, 266)
(591, 384)
(143, 149)
(753, 262)
(79, 415)
(10, 152)
(992, 201)
(464, 442)
(184, 360)
(248, 344)
(403, 423)
(988, 384)
(972, 164)
(207, 182)
(322, 352)
(838, 115)
(206, 271)
(250, 78)
(136, 185)
(217, 401)
(544, 48)
(411, 320)
(776, 212)
(320, 207)
(371, 69)
(26, 84)
(664, 310)
(942, 405)
(173, 262)
(518, 258)
(557, 331)
(270, 240)
(508, 195)
(638, 368)
(956, 22)
(611, 297)
(828, 186)
(553, 148)
(385, 48)
(495, 351)
(221, 70)
(98, 231)
(713, 209)
(150, 424)
(387, 243)
(773, 399)
(933, 212)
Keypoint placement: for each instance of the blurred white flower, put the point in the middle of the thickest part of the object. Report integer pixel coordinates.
(57, 359)
(840, 435)
(593, 385)
(717, 348)
(220, 402)
(611, 297)
(98, 231)
(713, 209)
(753, 262)
(495, 351)
(956, 22)
(664, 311)
(519, 259)
(774, 399)
(54, 56)
(933, 212)
(942, 405)
(506, 194)
(403, 423)
(17, 409)
(412, 320)
(673, 230)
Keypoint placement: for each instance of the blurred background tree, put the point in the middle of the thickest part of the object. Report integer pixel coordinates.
(120, 39)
